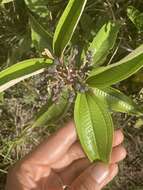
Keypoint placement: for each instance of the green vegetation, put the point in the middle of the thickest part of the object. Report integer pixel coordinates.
(73, 57)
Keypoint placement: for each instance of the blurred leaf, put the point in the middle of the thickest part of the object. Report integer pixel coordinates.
(94, 127)
(23, 46)
(1, 97)
(111, 74)
(136, 17)
(6, 1)
(21, 71)
(15, 39)
(117, 101)
(52, 112)
(104, 42)
(41, 12)
(139, 123)
(56, 6)
(138, 78)
(37, 6)
(41, 38)
(67, 25)
(139, 188)
(87, 24)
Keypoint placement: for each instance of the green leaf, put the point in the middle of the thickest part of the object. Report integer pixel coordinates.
(21, 71)
(94, 127)
(87, 25)
(136, 17)
(139, 123)
(1, 97)
(20, 49)
(41, 38)
(67, 25)
(111, 74)
(6, 1)
(41, 11)
(39, 7)
(103, 42)
(117, 101)
(52, 112)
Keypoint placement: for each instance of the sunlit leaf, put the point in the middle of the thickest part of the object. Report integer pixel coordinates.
(139, 123)
(41, 38)
(21, 71)
(67, 25)
(1, 97)
(94, 127)
(103, 42)
(40, 9)
(117, 72)
(117, 101)
(6, 1)
(136, 17)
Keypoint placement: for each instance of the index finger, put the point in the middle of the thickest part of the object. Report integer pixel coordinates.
(54, 147)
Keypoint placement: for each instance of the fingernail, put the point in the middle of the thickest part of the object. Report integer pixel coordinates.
(99, 172)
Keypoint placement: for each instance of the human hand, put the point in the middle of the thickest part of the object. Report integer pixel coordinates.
(60, 161)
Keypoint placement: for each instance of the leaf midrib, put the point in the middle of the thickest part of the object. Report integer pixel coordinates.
(101, 113)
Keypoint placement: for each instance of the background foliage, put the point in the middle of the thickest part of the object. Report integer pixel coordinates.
(18, 41)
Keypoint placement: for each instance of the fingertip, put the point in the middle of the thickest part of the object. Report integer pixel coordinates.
(113, 171)
(123, 152)
(118, 137)
(118, 154)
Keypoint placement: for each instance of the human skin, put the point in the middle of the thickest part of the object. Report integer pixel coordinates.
(59, 160)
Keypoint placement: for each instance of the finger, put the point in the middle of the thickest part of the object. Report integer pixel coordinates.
(94, 177)
(113, 172)
(74, 170)
(54, 147)
(118, 138)
(118, 154)
(75, 152)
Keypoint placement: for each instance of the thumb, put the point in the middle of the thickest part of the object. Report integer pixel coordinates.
(95, 177)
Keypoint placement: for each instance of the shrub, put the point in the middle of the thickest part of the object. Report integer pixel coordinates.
(77, 73)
